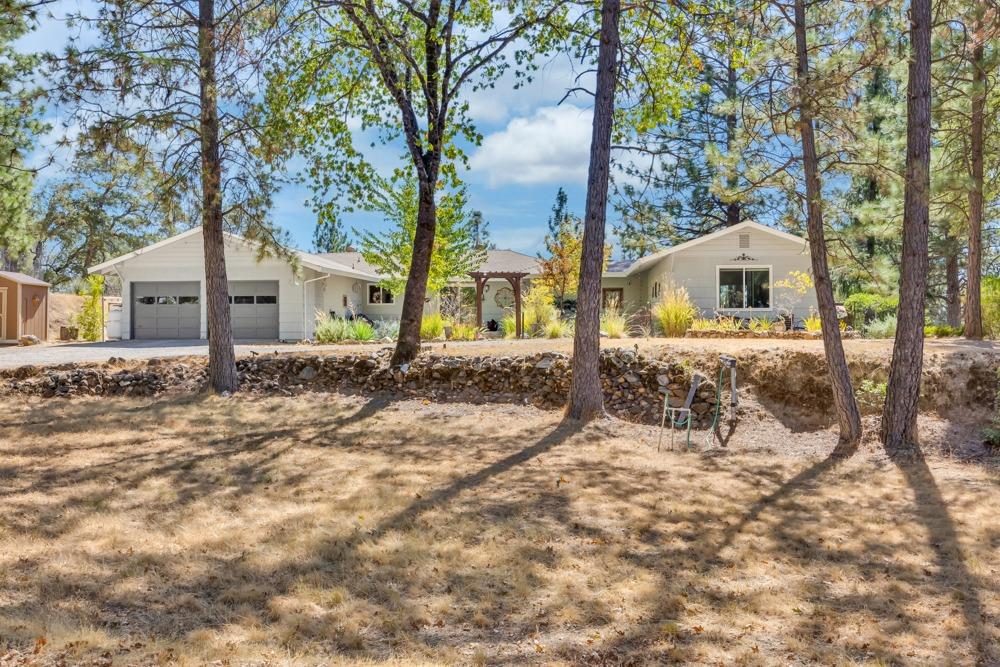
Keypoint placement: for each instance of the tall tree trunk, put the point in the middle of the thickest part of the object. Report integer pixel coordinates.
(899, 417)
(586, 396)
(974, 264)
(848, 416)
(408, 343)
(221, 356)
(952, 296)
(734, 209)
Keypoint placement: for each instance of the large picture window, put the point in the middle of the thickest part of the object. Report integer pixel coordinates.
(743, 288)
(377, 295)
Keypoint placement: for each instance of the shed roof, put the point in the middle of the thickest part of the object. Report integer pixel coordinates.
(22, 278)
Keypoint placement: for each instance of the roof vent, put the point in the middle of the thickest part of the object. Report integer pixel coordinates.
(744, 240)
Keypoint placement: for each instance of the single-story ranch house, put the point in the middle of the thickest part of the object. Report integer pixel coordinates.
(731, 271)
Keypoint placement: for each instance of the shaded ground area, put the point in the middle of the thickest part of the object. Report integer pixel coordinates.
(54, 354)
(325, 529)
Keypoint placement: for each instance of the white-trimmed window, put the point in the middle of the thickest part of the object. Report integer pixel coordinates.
(378, 295)
(743, 287)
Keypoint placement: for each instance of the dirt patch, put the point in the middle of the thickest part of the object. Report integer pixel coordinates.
(63, 309)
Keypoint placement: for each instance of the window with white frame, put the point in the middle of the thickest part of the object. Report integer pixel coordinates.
(377, 295)
(744, 287)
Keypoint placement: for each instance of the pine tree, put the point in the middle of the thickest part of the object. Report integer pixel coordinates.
(329, 236)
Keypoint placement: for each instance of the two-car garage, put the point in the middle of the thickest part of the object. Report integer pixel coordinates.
(173, 310)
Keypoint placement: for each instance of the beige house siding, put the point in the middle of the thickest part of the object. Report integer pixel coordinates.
(696, 268)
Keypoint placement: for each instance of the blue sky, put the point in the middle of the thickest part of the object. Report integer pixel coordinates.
(532, 146)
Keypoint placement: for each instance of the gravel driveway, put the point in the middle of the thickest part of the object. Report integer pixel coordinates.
(54, 354)
(63, 353)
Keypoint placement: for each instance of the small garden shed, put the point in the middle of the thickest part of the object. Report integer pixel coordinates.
(24, 307)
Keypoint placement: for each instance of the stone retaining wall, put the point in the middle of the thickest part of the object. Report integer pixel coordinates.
(634, 385)
(779, 335)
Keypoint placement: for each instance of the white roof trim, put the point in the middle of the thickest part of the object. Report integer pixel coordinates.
(308, 260)
(746, 224)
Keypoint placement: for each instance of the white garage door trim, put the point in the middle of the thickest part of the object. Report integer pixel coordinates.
(166, 310)
(254, 309)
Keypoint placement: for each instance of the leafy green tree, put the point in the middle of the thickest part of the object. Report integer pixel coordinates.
(112, 200)
(400, 70)
(90, 319)
(455, 252)
(329, 236)
(21, 110)
(695, 179)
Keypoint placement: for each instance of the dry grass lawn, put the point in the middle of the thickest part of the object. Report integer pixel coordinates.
(324, 529)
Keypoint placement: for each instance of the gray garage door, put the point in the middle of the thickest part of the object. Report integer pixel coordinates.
(254, 309)
(166, 310)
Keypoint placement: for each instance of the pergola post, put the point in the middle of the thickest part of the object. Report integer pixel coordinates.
(515, 283)
(479, 301)
(514, 278)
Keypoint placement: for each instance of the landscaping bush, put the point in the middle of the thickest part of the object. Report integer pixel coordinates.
(387, 329)
(360, 330)
(464, 332)
(813, 323)
(558, 328)
(702, 324)
(432, 326)
(538, 309)
(991, 306)
(90, 320)
(613, 322)
(508, 325)
(675, 312)
(883, 328)
(864, 308)
(760, 324)
(335, 329)
(942, 331)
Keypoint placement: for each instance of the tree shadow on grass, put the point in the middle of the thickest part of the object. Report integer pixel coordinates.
(954, 573)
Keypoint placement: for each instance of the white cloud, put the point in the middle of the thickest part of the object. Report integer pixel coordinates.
(550, 146)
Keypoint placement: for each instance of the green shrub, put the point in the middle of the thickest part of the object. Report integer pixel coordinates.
(871, 394)
(813, 323)
(508, 325)
(727, 323)
(464, 332)
(883, 328)
(360, 330)
(335, 329)
(387, 329)
(760, 324)
(864, 308)
(942, 331)
(674, 312)
(557, 328)
(90, 320)
(538, 309)
(991, 306)
(613, 322)
(432, 326)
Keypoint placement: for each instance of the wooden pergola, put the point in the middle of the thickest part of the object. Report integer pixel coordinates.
(514, 278)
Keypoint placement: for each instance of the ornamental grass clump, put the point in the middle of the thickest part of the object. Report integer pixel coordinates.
(613, 321)
(675, 311)
(461, 331)
(432, 326)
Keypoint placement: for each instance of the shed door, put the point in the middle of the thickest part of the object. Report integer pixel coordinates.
(254, 309)
(3, 312)
(166, 310)
(34, 311)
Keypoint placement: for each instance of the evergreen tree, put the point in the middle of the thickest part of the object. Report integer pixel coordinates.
(329, 236)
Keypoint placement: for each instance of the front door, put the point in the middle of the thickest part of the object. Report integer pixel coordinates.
(612, 296)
